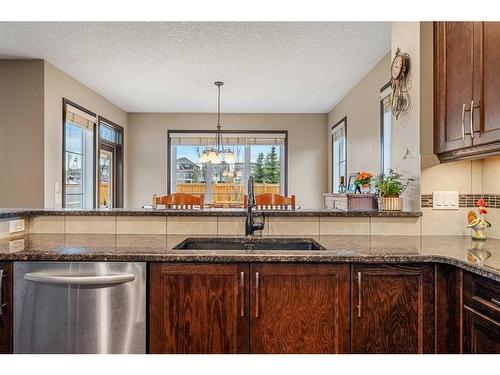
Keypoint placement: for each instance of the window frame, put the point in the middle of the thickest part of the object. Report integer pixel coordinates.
(381, 106)
(63, 164)
(342, 121)
(171, 133)
(118, 152)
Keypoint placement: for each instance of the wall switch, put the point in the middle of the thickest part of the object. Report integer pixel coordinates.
(16, 226)
(445, 200)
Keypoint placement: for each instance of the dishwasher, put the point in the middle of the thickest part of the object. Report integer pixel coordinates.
(79, 307)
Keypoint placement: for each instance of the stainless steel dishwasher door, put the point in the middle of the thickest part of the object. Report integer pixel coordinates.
(79, 307)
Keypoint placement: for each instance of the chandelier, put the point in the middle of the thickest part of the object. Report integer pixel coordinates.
(217, 154)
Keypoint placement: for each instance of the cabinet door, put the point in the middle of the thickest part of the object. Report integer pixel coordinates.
(482, 334)
(6, 308)
(487, 57)
(299, 308)
(392, 309)
(198, 308)
(453, 91)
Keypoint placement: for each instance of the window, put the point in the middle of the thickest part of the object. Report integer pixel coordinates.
(89, 155)
(110, 172)
(385, 127)
(78, 146)
(339, 154)
(262, 155)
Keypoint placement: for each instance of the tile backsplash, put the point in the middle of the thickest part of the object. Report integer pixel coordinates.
(473, 179)
(465, 200)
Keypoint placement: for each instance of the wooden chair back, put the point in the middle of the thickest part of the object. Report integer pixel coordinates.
(270, 201)
(180, 201)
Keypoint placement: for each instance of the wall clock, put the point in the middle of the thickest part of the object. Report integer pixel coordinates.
(400, 71)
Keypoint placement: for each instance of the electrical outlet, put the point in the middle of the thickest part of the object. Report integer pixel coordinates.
(445, 200)
(16, 226)
(16, 245)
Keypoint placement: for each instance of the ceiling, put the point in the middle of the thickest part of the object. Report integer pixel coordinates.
(267, 67)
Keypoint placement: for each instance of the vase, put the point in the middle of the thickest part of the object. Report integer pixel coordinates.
(365, 189)
(391, 203)
(479, 229)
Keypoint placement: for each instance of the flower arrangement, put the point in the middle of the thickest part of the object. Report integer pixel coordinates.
(478, 224)
(363, 180)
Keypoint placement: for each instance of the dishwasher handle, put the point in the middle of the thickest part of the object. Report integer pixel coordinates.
(41, 277)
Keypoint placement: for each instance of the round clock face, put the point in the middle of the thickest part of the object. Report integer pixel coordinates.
(397, 67)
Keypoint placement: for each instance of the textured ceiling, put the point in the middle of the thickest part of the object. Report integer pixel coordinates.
(171, 66)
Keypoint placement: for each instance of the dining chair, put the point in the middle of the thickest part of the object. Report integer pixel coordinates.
(179, 201)
(269, 201)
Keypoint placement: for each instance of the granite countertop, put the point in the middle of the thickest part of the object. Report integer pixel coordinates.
(479, 257)
(15, 212)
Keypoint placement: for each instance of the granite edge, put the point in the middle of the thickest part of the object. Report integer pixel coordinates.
(208, 213)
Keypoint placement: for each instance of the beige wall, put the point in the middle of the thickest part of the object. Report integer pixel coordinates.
(362, 108)
(147, 150)
(21, 133)
(405, 151)
(59, 85)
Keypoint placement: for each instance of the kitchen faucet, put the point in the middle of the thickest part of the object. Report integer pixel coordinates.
(250, 226)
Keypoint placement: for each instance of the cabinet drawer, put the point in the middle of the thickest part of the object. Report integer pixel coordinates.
(482, 334)
(482, 295)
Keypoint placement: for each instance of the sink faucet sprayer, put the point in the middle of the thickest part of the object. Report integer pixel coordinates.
(250, 226)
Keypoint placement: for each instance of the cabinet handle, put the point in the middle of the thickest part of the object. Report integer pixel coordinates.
(495, 302)
(463, 119)
(472, 119)
(257, 294)
(1, 283)
(242, 294)
(359, 294)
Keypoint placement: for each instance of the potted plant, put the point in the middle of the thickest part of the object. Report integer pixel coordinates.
(389, 187)
(362, 182)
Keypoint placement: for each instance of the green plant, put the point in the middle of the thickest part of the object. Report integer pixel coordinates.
(272, 167)
(391, 184)
(259, 174)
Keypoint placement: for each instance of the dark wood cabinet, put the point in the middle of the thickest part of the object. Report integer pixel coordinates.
(466, 98)
(206, 308)
(482, 334)
(392, 309)
(199, 308)
(299, 308)
(487, 112)
(6, 308)
(481, 312)
(454, 76)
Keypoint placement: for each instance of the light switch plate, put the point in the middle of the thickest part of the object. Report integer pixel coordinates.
(445, 200)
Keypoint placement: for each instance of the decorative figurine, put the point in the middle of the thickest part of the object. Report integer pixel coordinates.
(478, 224)
(342, 187)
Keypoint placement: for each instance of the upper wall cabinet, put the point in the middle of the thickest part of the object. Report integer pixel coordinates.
(466, 95)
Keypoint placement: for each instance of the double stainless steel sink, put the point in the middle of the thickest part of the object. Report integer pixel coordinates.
(249, 243)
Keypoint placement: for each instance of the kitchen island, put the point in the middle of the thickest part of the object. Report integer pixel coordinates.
(358, 294)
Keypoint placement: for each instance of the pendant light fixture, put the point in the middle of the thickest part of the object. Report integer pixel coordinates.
(217, 154)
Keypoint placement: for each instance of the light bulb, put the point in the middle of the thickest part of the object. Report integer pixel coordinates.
(229, 157)
(213, 157)
(204, 157)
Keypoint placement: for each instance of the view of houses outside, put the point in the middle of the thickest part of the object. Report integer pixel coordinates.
(228, 180)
